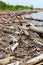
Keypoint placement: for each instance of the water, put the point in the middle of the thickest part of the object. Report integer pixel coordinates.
(38, 15)
(37, 23)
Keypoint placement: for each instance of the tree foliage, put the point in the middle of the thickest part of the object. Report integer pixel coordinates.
(4, 6)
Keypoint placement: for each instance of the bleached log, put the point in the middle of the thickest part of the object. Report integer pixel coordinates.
(32, 27)
(13, 37)
(15, 63)
(35, 60)
(25, 31)
(38, 42)
(11, 27)
(40, 63)
(4, 26)
(11, 64)
(33, 19)
(6, 60)
(13, 48)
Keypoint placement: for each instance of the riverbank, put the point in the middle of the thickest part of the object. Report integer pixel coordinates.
(20, 11)
(16, 40)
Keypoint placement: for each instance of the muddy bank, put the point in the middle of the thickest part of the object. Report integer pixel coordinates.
(30, 44)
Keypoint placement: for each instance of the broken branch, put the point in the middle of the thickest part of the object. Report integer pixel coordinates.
(13, 48)
(6, 60)
(35, 60)
(32, 27)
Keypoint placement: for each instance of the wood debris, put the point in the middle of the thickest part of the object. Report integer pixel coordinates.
(21, 42)
(6, 60)
(35, 60)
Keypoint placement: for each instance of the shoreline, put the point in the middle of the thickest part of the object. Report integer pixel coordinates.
(20, 12)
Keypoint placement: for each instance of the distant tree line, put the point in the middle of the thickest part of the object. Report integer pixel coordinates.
(4, 6)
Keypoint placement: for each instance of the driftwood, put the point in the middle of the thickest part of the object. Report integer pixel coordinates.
(11, 64)
(15, 63)
(38, 42)
(15, 45)
(40, 63)
(25, 32)
(13, 37)
(32, 27)
(33, 19)
(13, 48)
(35, 60)
(7, 31)
(11, 27)
(5, 60)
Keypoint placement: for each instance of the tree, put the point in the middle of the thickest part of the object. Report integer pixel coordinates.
(2, 5)
(31, 7)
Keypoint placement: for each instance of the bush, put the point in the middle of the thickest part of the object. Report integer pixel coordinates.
(2, 5)
(31, 7)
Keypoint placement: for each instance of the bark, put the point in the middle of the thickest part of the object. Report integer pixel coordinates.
(35, 60)
(32, 27)
(5, 60)
(13, 48)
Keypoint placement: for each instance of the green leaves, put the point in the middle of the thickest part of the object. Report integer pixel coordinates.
(4, 6)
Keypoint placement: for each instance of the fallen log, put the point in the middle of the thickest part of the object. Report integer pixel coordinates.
(11, 64)
(32, 27)
(33, 19)
(40, 34)
(5, 60)
(13, 48)
(40, 63)
(25, 32)
(16, 45)
(11, 27)
(38, 42)
(35, 60)
(15, 63)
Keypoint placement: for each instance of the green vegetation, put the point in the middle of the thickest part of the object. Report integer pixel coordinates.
(4, 6)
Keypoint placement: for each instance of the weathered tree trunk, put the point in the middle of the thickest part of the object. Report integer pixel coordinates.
(13, 48)
(35, 60)
(32, 27)
(5, 60)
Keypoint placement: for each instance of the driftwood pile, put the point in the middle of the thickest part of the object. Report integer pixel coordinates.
(20, 43)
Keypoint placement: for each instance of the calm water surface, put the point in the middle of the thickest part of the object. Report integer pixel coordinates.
(38, 15)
